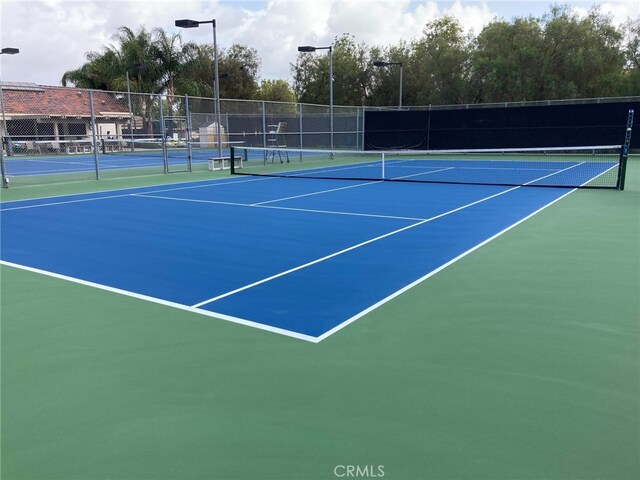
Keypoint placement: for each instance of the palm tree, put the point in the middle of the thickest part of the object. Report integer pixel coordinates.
(100, 72)
(170, 55)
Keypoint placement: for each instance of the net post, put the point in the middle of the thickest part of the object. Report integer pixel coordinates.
(232, 159)
(622, 169)
(624, 152)
(3, 168)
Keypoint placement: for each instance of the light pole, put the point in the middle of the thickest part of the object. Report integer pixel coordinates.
(5, 180)
(309, 48)
(390, 64)
(216, 80)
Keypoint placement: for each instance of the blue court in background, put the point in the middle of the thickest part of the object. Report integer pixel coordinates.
(303, 257)
(20, 165)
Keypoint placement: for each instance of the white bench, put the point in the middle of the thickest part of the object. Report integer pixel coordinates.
(222, 163)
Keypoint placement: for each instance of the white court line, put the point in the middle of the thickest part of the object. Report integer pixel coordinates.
(316, 193)
(192, 200)
(88, 162)
(321, 170)
(217, 184)
(349, 321)
(600, 174)
(49, 204)
(167, 303)
(33, 173)
(63, 202)
(555, 173)
(293, 209)
(223, 180)
(479, 168)
(423, 173)
(348, 249)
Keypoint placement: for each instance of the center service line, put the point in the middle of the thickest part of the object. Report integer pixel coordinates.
(348, 249)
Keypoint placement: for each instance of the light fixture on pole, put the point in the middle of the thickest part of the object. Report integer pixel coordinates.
(5, 180)
(390, 64)
(216, 80)
(309, 48)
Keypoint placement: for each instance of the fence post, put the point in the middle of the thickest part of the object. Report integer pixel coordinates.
(300, 122)
(3, 170)
(264, 129)
(362, 127)
(165, 159)
(93, 136)
(7, 137)
(131, 119)
(189, 138)
(3, 137)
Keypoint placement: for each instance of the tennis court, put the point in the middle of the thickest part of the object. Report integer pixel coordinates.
(60, 164)
(304, 257)
(460, 331)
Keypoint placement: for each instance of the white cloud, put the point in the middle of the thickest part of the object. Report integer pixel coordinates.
(622, 10)
(54, 35)
(473, 17)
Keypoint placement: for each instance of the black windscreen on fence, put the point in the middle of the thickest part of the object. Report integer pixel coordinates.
(501, 127)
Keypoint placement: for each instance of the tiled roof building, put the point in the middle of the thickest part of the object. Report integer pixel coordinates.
(33, 112)
(29, 100)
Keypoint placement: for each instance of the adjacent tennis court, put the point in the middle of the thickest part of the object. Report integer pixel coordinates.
(60, 164)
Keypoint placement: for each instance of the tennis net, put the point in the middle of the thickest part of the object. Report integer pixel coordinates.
(585, 167)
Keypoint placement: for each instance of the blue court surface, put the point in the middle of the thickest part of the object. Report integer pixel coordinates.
(300, 257)
(18, 166)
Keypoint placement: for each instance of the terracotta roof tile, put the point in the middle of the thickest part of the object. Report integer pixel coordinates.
(59, 101)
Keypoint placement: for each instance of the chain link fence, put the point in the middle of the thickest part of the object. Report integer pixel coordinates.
(57, 134)
(527, 103)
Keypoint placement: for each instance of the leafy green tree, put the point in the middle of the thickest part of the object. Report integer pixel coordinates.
(196, 77)
(582, 56)
(559, 55)
(311, 78)
(100, 72)
(276, 91)
(507, 61)
(153, 56)
(631, 49)
(351, 72)
(169, 56)
(439, 66)
(159, 62)
(239, 67)
(138, 61)
(385, 81)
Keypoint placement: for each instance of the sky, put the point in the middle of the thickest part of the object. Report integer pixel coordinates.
(54, 35)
